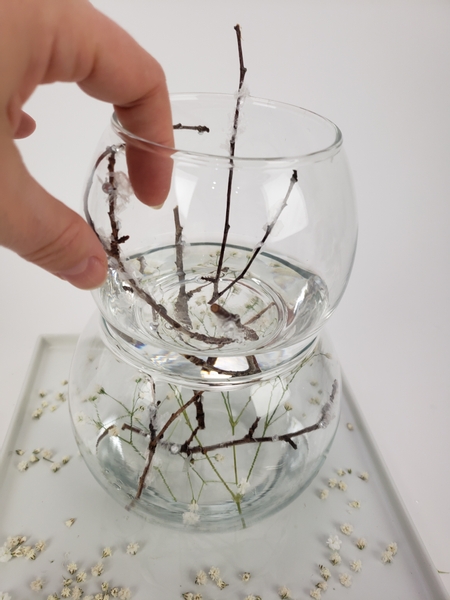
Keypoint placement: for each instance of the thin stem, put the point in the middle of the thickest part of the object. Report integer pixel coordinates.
(199, 128)
(181, 304)
(268, 231)
(242, 72)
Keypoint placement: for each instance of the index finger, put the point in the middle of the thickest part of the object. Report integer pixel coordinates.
(111, 66)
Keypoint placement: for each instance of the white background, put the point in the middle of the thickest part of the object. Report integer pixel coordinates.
(381, 72)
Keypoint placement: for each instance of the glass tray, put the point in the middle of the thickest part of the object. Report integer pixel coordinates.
(284, 550)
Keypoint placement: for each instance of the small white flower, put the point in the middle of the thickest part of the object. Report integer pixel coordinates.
(37, 585)
(42, 393)
(65, 459)
(106, 552)
(77, 592)
(81, 576)
(66, 592)
(198, 597)
(284, 593)
(124, 594)
(221, 584)
(347, 529)
(188, 596)
(364, 476)
(105, 586)
(342, 486)
(40, 545)
(387, 557)
(132, 548)
(243, 486)
(332, 483)
(4, 596)
(190, 518)
(325, 572)
(5, 554)
(324, 494)
(55, 467)
(334, 543)
(356, 566)
(214, 573)
(44, 403)
(33, 459)
(69, 522)
(20, 452)
(361, 543)
(392, 547)
(322, 585)
(114, 592)
(355, 504)
(350, 426)
(288, 406)
(97, 569)
(22, 466)
(335, 558)
(30, 553)
(246, 576)
(345, 579)
(80, 417)
(193, 506)
(72, 568)
(47, 454)
(37, 414)
(67, 582)
(340, 472)
(201, 578)
(315, 593)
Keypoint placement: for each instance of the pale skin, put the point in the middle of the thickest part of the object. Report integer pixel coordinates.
(52, 40)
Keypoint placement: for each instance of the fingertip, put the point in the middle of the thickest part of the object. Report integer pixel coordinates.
(89, 274)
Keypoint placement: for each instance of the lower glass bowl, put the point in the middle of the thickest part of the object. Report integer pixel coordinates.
(217, 456)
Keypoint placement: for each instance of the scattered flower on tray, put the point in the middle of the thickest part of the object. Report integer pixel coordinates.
(22, 466)
(364, 476)
(81, 576)
(284, 592)
(201, 578)
(322, 585)
(332, 483)
(69, 522)
(334, 543)
(214, 573)
(355, 504)
(37, 585)
(106, 552)
(361, 543)
(324, 494)
(97, 569)
(316, 593)
(356, 566)
(350, 426)
(346, 528)
(335, 558)
(325, 572)
(132, 548)
(345, 579)
(342, 486)
(246, 576)
(392, 547)
(72, 568)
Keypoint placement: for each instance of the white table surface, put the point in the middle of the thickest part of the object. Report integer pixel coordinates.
(381, 71)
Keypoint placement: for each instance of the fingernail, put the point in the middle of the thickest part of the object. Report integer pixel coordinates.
(157, 206)
(90, 273)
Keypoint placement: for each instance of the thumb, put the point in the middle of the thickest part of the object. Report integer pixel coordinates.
(42, 229)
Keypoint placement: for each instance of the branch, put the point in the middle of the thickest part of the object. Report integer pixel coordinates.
(155, 439)
(181, 304)
(268, 231)
(242, 72)
(199, 128)
(322, 422)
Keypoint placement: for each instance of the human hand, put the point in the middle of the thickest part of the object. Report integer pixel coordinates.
(48, 41)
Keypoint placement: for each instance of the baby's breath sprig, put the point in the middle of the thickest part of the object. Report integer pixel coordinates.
(345, 579)
(37, 584)
(69, 522)
(201, 578)
(361, 543)
(132, 548)
(284, 592)
(246, 576)
(364, 476)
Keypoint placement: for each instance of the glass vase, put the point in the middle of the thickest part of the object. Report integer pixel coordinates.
(205, 395)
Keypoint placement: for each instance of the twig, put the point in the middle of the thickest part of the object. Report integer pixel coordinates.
(242, 72)
(157, 438)
(268, 231)
(199, 128)
(286, 437)
(227, 316)
(181, 304)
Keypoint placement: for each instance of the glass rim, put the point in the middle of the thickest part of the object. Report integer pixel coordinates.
(317, 155)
